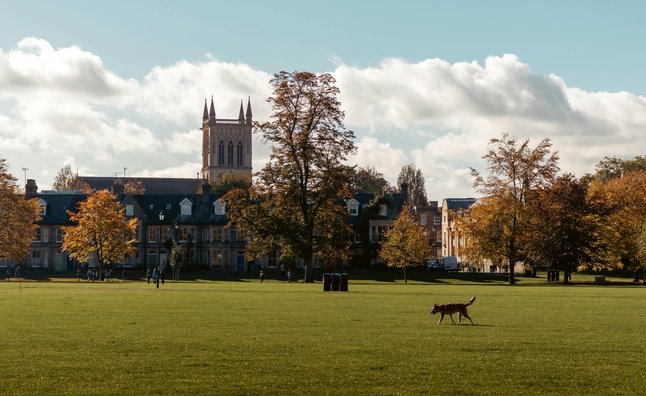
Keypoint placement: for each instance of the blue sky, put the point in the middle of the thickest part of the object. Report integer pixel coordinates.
(571, 71)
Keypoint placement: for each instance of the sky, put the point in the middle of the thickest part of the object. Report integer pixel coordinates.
(108, 86)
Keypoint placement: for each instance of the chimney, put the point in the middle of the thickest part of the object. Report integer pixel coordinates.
(404, 189)
(31, 189)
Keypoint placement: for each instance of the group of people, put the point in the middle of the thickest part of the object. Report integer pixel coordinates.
(287, 275)
(94, 275)
(16, 273)
(156, 275)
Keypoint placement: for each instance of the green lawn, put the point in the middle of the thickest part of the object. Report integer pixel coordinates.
(247, 338)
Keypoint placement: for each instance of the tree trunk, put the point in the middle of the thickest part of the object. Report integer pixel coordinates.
(636, 275)
(307, 263)
(566, 277)
(405, 277)
(512, 280)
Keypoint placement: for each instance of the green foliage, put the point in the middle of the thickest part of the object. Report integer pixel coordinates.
(369, 180)
(295, 203)
(229, 182)
(406, 242)
(613, 167)
(413, 177)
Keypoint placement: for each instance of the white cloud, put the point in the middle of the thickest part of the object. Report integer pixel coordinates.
(61, 105)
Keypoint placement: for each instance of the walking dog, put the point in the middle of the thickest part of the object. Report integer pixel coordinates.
(450, 309)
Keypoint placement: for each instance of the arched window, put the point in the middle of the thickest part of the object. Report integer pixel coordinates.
(221, 153)
(240, 159)
(230, 154)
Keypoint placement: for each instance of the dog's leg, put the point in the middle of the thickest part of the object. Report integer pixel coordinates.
(459, 317)
(451, 316)
(441, 317)
(467, 316)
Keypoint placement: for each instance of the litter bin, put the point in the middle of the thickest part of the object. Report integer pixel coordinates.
(344, 282)
(327, 281)
(336, 281)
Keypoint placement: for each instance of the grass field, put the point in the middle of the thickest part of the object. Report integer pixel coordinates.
(242, 337)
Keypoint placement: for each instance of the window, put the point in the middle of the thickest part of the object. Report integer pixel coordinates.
(220, 207)
(37, 234)
(42, 207)
(377, 233)
(130, 209)
(240, 158)
(186, 207)
(153, 234)
(59, 234)
(35, 258)
(383, 210)
(353, 208)
(357, 238)
(44, 234)
(221, 258)
(423, 219)
(436, 220)
(216, 234)
(186, 233)
(230, 154)
(439, 236)
(221, 153)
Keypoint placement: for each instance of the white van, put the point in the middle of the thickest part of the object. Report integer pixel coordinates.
(450, 263)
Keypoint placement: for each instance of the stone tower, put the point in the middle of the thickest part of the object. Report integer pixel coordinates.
(226, 143)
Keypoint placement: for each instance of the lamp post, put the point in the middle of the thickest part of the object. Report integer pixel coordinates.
(177, 262)
(159, 267)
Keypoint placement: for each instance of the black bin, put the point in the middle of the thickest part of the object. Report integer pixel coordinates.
(336, 281)
(327, 281)
(344, 282)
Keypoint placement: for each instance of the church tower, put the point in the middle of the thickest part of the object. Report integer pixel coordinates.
(226, 143)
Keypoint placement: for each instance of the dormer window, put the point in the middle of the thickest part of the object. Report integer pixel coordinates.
(42, 207)
(220, 207)
(186, 207)
(130, 210)
(353, 207)
(383, 210)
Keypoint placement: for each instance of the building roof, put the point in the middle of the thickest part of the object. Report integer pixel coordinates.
(459, 203)
(152, 185)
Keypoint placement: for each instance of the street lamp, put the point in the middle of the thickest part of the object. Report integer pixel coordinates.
(176, 236)
(159, 267)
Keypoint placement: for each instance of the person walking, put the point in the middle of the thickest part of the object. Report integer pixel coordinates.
(262, 275)
(148, 275)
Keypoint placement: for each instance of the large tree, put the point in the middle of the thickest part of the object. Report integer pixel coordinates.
(483, 229)
(620, 207)
(369, 180)
(406, 243)
(66, 179)
(612, 167)
(413, 177)
(100, 228)
(561, 228)
(515, 171)
(296, 204)
(17, 218)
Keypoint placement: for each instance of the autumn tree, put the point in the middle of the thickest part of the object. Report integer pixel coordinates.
(100, 228)
(414, 178)
(134, 187)
(369, 180)
(228, 182)
(612, 167)
(406, 243)
(66, 179)
(482, 228)
(515, 171)
(296, 204)
(17, 218)
(561, 230)
(620, 207)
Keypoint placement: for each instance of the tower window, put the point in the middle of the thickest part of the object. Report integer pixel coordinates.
(240, 160)
(230, 154)
(221, 153)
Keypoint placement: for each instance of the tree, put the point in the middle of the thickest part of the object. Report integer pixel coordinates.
(297, 193)
(613, 167)
(414, 178)
(482, 228)
(370, 181)
(406, 243)
(561, 230)
(66, 179)
(134, 187)
(226, 183)
(620, 207)
(17, 218)
(100, 228)
(515, 172)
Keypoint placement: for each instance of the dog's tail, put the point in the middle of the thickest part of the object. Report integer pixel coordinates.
(472, 300)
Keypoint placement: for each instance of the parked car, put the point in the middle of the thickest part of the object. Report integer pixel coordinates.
(432, 265)
(450, 263)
